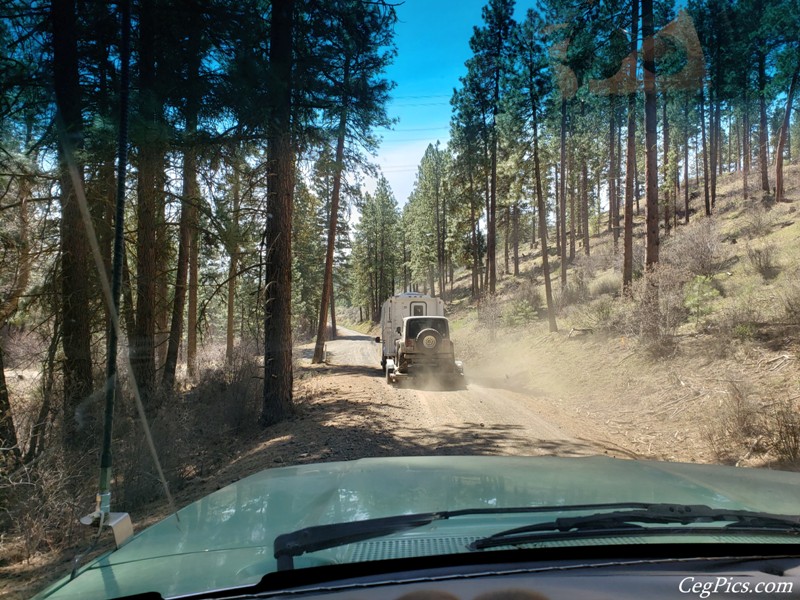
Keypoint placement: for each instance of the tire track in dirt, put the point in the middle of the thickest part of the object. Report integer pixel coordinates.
(453, 421)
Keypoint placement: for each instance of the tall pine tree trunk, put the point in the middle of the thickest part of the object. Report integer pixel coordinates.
(474, 237)
(665, 131)
(715, 150)
(782, 137)
(585, 207)
(557, 190)
(327, 279)
(506, 237)
(11, 454)
(745, 147)
(572, 191)
(278, 376)
(705, 151)
(630, 158)
(563, 192)
(491, 225)
(188, 202)
(233, 266)
(142, 341)
(763, 136)
(192, 289)
(74, 248)
(548, 290)
(686, 160)
(613, 216)
(515, 236)
(650, 125)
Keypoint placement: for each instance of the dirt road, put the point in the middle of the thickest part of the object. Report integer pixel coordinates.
(476, 418)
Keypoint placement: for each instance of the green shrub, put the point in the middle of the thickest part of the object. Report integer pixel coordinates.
(699, 295)
(518, 313)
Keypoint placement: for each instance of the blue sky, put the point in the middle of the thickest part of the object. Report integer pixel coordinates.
(432, 38)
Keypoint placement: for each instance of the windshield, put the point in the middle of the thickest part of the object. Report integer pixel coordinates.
(217, 217)
(414, 326)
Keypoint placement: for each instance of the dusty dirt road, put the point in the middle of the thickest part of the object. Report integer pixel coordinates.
(480, 417)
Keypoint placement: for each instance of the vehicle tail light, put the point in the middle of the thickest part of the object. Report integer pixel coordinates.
(409, 343)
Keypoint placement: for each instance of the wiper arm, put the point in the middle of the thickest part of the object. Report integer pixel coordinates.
(319, 537)
(627, 521)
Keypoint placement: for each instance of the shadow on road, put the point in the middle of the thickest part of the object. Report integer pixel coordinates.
(353, 337)
(366, 370)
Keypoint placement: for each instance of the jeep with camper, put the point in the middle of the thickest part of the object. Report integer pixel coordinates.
(415, 338)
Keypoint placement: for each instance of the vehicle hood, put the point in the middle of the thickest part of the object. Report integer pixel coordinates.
(225, 539)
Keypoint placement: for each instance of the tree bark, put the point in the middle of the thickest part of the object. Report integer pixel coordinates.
(142, 342)
(188, 201)
(192, 289)
(10, 455)
(548, 290)
(650, 125)
(572, 192)
(665, 132)
(333, 315)
(585, 207)
(327, 280)
(715, 150)
(278, 376)
(686, 161)
(516, 238)
(630, 158)
(474, 237)
(563, 194)
(613, 217)
(491, 226)
(782, 137)
(705, 152)
(506, 237)
(745, 147)
(75, 257)
(763, 136)
(557, 189)
(234, 264)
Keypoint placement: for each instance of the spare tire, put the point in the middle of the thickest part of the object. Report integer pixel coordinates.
(428, 341)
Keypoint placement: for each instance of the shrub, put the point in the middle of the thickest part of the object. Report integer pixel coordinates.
(698, 248)
(606, 285)
(736, 425)
(603, 314)
(530, 293)
(518, 313)
(489, 314)
(789, 297)
(700, 293)
(758, 221)
(658, 309)
(785, 430)
(42, 502)
(762, 260)
(737, 321)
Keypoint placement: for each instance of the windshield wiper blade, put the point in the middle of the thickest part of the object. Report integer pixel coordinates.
(631, 521)
(319, 537)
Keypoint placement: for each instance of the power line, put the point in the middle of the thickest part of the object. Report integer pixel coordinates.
(423, 96)
(423, 129)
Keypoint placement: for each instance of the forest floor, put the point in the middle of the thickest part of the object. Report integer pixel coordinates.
(585, 389)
